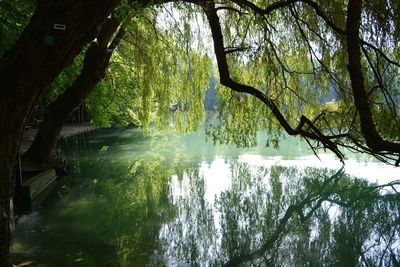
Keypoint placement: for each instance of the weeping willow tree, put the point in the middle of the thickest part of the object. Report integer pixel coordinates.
(327, 72)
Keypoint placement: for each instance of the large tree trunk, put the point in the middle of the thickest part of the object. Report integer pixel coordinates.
(42, 51)
(368, 128)
(96, 61)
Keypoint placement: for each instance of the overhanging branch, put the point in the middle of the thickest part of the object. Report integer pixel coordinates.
(225, 79)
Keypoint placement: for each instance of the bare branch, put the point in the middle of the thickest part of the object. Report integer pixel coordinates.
(381, 53)
(232, 9)
(280, 4)
(230, 50)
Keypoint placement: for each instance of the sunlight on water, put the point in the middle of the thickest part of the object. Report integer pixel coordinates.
(372, 171)
(217, 179)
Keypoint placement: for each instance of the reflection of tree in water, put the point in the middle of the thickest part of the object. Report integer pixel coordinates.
(194, 223)
(110, 221)
(286, 217)
(139, 205)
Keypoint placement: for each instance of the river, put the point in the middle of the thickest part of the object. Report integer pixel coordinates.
(177, 200)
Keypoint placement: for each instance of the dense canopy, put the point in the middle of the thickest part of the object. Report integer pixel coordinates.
(326, 72)
(291, 65)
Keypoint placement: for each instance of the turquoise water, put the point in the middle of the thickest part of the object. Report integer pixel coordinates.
(174, 200)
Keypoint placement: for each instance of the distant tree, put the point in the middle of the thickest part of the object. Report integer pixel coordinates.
(211, 96)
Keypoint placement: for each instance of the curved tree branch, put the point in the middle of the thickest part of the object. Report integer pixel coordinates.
(280, 4)
(375, 145)
(305, 124)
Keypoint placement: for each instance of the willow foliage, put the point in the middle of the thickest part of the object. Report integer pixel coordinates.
(295, 53)
(14, 15)
(153, 79)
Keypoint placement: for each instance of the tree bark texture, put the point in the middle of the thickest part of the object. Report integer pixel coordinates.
(96, 61)
(57, 32)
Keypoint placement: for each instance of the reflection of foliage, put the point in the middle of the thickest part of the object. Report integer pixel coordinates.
(135, 214)
(367, 230)
(113, 220)
(193, 226)
(139, 204)
(286, 217)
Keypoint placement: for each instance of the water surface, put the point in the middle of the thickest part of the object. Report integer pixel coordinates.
(175, 200)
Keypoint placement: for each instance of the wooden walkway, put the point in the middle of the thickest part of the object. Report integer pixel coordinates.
(35, 183)
(67, 131)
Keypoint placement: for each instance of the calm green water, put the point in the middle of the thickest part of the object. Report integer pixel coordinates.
(179, 201)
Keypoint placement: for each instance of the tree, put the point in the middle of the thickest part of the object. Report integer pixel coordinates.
(211, 98)
(44, 48)
(95, 63)
(14, 16)
(152, 78)
(146, 46)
